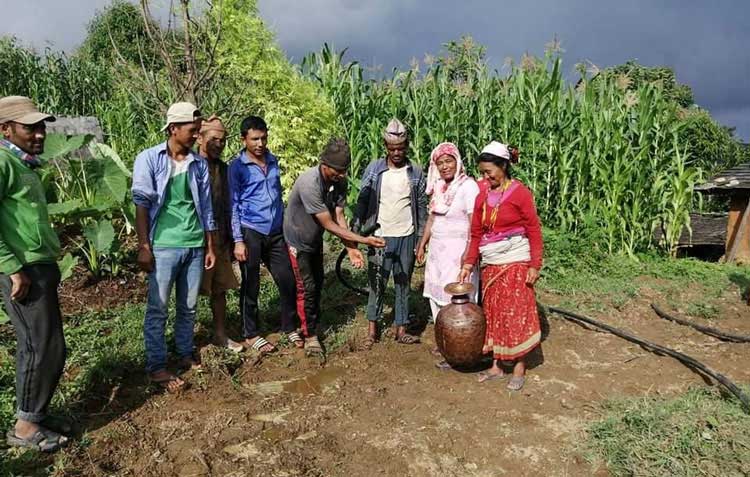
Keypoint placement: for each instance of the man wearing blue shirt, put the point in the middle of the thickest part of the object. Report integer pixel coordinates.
(257, 230)
(175, 224)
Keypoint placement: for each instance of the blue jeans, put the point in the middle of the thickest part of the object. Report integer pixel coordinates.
(182, 267)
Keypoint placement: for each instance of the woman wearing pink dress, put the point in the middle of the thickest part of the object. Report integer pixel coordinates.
(448, 227)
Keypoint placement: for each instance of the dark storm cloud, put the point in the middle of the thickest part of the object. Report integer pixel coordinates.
(705, 42)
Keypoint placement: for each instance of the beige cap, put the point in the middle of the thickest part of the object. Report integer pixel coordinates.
(21, 109)
(182, 112)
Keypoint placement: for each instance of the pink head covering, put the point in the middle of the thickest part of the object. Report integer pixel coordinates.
(442, 193)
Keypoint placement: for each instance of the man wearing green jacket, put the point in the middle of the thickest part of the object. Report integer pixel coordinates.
(29, 275)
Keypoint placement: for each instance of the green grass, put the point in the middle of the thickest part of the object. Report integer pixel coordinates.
(585, 277)
(700, 433)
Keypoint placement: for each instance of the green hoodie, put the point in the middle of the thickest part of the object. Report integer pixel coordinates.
(26, 235)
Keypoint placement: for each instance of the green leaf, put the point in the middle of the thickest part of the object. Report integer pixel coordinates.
(67, 264)
(64, 208)
(100, 235)
(100, 150)
(4, 318)
(58, 145)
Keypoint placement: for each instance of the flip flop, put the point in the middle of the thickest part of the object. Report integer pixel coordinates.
(443, 365)
(313, 347)
(295, 339)
(43, 440)
(260, 342)
(483, 376)
(516, 383)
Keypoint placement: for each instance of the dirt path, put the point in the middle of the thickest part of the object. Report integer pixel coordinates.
(390, 412)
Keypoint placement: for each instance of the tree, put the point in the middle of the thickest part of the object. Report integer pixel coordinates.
(120, 24)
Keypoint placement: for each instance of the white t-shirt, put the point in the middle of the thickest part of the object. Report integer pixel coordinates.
(394, 215)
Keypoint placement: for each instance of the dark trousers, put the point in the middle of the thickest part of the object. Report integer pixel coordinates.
(40, 349)
(308, 272)
(273, 252)
(398, 258)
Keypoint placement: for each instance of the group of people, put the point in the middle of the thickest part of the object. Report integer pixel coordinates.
(195, 214)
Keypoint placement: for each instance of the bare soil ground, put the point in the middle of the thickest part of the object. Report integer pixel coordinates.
(390, 412)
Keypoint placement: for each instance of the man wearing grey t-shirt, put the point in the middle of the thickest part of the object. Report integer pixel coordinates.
(316, 204)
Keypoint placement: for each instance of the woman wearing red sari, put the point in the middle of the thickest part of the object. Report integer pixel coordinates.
(507, 236)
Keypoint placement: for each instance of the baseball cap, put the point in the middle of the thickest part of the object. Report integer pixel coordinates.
(22, 110)
(182, 112)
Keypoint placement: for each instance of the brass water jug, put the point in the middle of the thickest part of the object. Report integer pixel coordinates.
(460, 328)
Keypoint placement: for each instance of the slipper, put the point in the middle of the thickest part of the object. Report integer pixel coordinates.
(516, 383)
(295, 339)
(483, 377)
(313, 347)
(407, 339)
(261, 342)
(443, 365)
(166, 381)
(43, 440)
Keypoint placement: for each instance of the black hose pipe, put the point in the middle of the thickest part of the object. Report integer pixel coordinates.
(688, 361)
(713, 332)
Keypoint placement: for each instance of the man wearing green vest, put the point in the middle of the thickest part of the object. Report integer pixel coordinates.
(175, 225)
(29, 275)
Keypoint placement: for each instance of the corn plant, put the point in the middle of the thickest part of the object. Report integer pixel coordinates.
(596, 155)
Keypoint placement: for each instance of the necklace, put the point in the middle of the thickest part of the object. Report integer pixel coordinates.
(493, 214)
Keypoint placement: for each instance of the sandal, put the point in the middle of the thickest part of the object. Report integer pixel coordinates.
(443, 365)
(516, 383)
(407, 339)
(168, 381)
(313, 347)
(436, 352)
(485, 376)
(368, 343)
(260, 343)
(43, 440)
(295, 339)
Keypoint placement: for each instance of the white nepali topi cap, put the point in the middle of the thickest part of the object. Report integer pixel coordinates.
(395, 132)
(182, 112)
(501, 150)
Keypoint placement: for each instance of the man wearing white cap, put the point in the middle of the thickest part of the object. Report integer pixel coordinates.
(175, 225)
(29, 275)
(392, 195)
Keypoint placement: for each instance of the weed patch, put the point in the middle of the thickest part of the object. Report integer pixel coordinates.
(699, 433)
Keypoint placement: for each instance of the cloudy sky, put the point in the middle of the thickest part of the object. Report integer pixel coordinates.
(705, 42)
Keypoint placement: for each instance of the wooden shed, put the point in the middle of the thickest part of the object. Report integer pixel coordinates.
(735, 184)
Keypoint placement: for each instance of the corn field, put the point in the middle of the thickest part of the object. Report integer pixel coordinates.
(599, 157)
